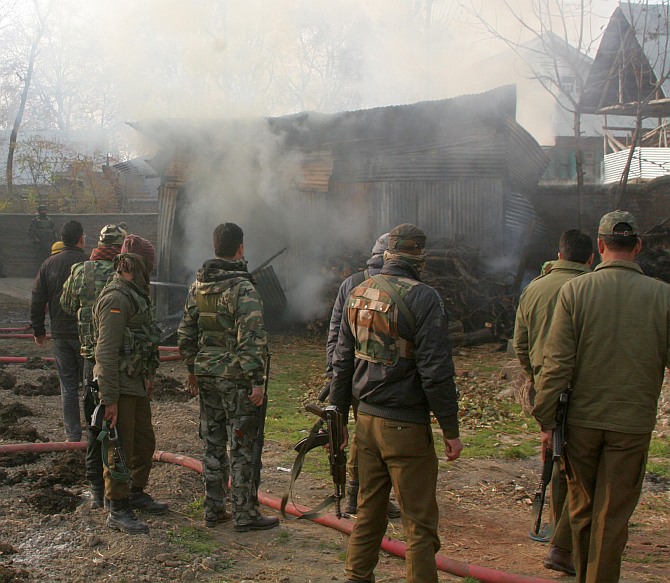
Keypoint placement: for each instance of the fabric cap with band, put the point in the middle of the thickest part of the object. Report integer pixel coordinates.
(407, 238)
(381, 245)
(611, 220)
(134, 244)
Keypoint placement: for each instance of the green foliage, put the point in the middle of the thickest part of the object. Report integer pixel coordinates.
(193, 539)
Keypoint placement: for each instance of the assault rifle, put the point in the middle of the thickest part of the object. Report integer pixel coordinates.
(332, 435)
(259, 440)
(110, 434)
(543, 532)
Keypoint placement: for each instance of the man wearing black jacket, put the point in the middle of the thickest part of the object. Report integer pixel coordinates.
(47, 290)
(393, 355)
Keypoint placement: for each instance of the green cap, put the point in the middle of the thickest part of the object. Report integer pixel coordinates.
(611, 220)
(112, 235)
(407, 238)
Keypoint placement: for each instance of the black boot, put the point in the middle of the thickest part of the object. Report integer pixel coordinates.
(122, 518)
(351, 502)
(98, 494)
(140, 500)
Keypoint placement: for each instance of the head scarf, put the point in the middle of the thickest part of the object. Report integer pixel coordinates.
(136, 257)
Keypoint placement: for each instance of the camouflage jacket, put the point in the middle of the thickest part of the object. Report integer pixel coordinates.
(126, 340)
(42, 230)
(222, 331)
(79, 293)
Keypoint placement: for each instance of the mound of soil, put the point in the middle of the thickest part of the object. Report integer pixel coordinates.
(13, 412)
(170, 389)
(53, 500)
(7, 380)
(45, 385)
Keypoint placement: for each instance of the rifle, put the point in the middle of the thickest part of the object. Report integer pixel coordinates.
(540, 532)
(331, 435)
(259, 439)
(106, 435)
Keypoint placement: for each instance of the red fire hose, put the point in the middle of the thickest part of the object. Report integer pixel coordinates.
(21, 329)
(24, 359)
(396, 547)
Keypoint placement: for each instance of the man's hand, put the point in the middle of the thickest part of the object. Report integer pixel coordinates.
(40, 340)
(257, 396)
(192, 384)
(452, 448)
(111, 412)
(547, 437)
(149, 386)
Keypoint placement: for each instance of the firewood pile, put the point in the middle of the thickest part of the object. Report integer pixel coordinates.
(479, 302)
(654, 259)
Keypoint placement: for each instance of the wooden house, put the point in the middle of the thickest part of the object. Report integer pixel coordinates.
(462, 169)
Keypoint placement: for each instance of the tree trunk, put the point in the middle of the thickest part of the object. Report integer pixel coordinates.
(623, 181)
(579, 163)
(19, 114)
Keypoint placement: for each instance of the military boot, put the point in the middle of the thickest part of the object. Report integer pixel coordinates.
(98, 494)
(351, 502)
(122, 518)
(140, 500)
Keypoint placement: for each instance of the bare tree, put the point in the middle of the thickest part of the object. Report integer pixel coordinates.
(553, 44)
(643, 57)
(26, 81)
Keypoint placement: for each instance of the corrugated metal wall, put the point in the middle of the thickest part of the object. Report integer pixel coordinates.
(647, 163)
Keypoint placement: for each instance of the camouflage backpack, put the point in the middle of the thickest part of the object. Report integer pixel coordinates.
(94, 275)
(372, 310)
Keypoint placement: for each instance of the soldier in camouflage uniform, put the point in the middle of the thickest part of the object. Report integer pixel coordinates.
(223, 340)
(79, 294)
(42, 233)
(126, 358)
(393, 355)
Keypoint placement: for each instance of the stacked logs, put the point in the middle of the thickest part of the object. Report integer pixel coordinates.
(480, 303)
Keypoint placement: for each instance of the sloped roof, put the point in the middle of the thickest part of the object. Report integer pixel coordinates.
(611, 87)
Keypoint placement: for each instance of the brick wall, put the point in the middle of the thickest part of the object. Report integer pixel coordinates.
(16, 251)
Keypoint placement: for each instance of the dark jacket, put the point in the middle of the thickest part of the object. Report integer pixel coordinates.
(411, 389)
(375, 264)
(47, 290)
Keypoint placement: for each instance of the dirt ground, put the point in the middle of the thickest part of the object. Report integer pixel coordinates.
(49, 533)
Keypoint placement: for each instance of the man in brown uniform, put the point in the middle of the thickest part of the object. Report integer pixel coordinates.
(393, 355)
(533, 318)
(126, 358)
(609, 343)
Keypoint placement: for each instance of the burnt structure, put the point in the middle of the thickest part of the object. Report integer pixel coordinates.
(460, 168)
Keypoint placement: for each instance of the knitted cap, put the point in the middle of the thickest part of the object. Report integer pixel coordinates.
(139, 246)
(381, 245)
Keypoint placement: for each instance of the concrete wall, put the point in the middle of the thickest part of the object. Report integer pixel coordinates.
(16, 251)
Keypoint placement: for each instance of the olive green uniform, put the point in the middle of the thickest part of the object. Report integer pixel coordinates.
(126, 356)
(533, 318)
(610, 343)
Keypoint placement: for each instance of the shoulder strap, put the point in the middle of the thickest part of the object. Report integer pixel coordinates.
(395, 296)
(89, 279)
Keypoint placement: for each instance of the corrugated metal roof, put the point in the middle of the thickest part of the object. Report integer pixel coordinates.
(647, 164)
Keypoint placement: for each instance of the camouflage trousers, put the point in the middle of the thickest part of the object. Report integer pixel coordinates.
(228, 426)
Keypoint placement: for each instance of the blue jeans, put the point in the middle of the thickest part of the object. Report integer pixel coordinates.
(69, 364)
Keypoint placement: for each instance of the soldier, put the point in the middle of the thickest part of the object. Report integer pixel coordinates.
(126, 359)
(533, 319)
(46, 291)
(79, 293)
(374, 266)
(393, 355)
(42, 233)
(609, 343)
(223, 341)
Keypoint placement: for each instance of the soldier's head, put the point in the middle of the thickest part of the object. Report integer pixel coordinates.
(72, 234)
(135, 262)
(617, 233)
(575, 246)
(112, 236)
(42, 209)
(380, 246)
(57, 247)
(407, 243)
(228, 241)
